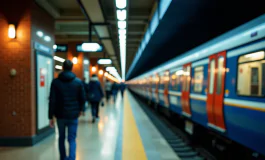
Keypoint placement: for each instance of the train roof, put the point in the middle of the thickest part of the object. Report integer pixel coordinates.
(243, 34)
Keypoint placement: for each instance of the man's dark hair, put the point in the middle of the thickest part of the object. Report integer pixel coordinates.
(94, 75)
(67, 65)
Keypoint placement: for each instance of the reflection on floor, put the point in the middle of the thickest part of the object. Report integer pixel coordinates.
(101, 141)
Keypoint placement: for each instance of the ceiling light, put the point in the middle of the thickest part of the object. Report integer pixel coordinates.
(86, 61)
(122, 24)
(75, 60)
(121, 14)
(122, 36)
(122, 32)
(121, 4)
(91, 47)
(101, 72)
(94, 69)
(39, 33)
(58, 67)
(104, 61)
(12, 31)
(55, 47)
(110, 68)
(47, 38)
(58, 59)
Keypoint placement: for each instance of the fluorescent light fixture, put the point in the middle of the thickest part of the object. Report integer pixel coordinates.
(39, 33)
(122, 32)
(110, 69)
(11, 31)
(58, 59)
(121, 15)
(86, 61)
(47, 38)
(90, 47)
(104, 61)
(121, 4)
(75, 60)
(58, 67)
(54, 46)
(122, 36)
(122, 24)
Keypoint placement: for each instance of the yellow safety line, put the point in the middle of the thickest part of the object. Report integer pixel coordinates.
(132, 147)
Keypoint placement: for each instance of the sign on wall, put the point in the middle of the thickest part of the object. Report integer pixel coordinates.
(60, 48)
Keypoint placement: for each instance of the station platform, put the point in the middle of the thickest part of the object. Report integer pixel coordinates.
(123, 132)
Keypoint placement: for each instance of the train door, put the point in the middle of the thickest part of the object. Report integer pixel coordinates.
(215, 93)
(185, 97)
(166, 88)
(157, 82)
(150, 87)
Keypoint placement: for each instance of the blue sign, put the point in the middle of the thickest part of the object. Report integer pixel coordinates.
(60, 48)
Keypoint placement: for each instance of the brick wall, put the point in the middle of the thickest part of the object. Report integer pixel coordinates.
(17, 94)
(77, 68)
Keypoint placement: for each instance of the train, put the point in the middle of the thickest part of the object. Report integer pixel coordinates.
(219, 86)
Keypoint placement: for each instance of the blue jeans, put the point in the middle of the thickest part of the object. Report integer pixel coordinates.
(94, 109)
(71, 124)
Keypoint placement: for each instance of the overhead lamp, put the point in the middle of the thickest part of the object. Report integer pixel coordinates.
(55, 47)
(75, 60)
(58, 59)
(58, 67)
(47, 38)
(122, 36)
(94, 69)
(121, 4)
(104, 61)
(11, 31)
(90, 47)
(86, 61)
(106, 74)
(39, 33)
(101, 72)
(121, 15)
(122, 32)
(110, 68)
(122, 24)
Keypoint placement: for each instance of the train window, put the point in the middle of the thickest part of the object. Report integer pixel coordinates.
(220, 70)
(212, 70)
(251, 74)
(176, 79)
(198, 79)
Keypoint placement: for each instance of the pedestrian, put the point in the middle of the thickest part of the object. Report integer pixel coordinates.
(114, 90)
(108, 89)
(85, 84)
(122, 88)
(67, 100)
(95, 95)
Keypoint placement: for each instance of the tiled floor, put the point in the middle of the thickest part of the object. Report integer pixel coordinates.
(110, 138)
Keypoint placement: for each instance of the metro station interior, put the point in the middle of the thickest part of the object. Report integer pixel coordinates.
(179, 79)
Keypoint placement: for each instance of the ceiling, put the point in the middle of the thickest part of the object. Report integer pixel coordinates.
(72, 23)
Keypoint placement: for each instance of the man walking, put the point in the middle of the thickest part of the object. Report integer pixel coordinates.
(67, 103)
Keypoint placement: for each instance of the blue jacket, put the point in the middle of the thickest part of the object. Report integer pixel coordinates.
(67, 96)
(94, 88)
